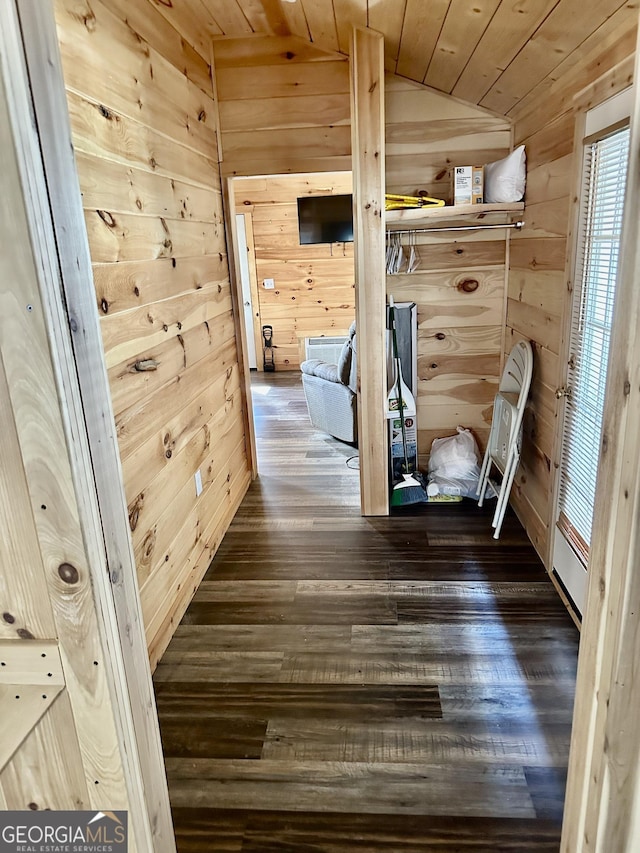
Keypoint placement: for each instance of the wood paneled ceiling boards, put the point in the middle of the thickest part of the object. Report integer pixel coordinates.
(495, 53)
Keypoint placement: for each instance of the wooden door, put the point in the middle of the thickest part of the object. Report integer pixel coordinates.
(68, 738)
(605, 147)
(58, 741)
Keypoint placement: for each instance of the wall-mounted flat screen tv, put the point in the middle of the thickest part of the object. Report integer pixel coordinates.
(325, 219)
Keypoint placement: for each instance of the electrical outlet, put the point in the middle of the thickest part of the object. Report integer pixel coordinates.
(269, 283)
(198, 479)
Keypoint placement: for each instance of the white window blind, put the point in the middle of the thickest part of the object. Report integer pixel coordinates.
(605, 172)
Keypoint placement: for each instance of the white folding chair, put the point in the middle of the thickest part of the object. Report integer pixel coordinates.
(505, 437)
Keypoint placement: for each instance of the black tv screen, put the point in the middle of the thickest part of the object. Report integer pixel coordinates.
(325, 219)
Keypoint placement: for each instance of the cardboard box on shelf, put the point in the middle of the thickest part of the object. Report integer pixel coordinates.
(468, 185)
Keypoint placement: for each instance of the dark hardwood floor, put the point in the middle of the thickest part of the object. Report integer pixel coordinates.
(347, 684)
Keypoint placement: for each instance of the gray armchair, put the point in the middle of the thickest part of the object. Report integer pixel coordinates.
(330, 391)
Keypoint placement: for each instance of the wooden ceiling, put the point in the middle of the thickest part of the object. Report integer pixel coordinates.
(493, 53)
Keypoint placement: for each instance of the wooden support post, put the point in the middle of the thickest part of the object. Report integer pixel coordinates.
(602, 806)
(367, 146)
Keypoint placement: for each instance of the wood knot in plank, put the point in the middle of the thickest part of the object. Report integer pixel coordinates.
(144, 365)
(68, 573)
(107, 218)
(134, 512)
(468, 285)
(440, 336)
(24, 634)
(9, 618)
(202, 115)
(148, 545)
(289, 55)
(89, 20)
(104, 112)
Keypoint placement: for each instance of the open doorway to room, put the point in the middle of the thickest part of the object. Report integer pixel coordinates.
(298, 297)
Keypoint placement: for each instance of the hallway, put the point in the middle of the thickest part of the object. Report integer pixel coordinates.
(347, 684)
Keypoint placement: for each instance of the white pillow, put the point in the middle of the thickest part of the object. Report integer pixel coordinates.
(504, 180)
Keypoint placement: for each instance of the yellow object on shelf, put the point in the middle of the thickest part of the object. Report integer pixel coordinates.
(393, 201)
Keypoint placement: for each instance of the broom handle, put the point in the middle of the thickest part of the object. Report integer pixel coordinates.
(396, 357)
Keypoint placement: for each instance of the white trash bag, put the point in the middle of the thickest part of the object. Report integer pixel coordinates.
(454, 465)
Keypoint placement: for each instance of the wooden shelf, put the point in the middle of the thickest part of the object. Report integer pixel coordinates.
(422, 214)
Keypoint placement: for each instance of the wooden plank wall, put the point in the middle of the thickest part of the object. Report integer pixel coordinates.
(538, 294)
(460, 285)
(284, 107)
(314, 290)
(143, 119)
(426, 134)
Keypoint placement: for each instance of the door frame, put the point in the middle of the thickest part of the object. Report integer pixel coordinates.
(584, 103)
(246, 279)
(609, 85)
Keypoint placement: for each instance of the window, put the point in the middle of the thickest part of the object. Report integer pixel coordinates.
(605, 172)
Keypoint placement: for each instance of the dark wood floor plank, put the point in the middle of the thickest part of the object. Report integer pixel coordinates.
(463, 637)
(439, 668)
(329, 610)
(247, 638)
(248, 568)
(342, 683)
(419, 741)
(547, 786)
(351, 787)
(292, 701)
(212, 736)
(547, 701)
(220, 666)
(209, 830)
(218, 831)
(456, 610)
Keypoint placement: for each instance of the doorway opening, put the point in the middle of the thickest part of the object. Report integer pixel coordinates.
(302, 292)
